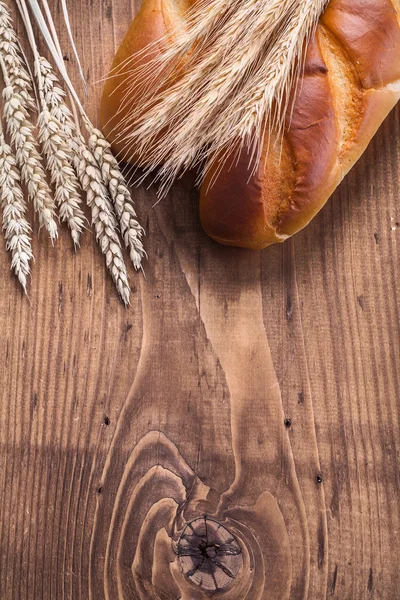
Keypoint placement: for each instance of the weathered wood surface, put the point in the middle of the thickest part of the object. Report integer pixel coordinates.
(261, 389)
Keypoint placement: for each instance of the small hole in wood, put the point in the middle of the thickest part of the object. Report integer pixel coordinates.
(106, 421)
(318, 478)
(100, 489)
(288, 423)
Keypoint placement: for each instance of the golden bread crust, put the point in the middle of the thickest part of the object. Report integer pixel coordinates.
(345, 95)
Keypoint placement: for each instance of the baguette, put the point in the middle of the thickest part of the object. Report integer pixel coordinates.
(351, 82)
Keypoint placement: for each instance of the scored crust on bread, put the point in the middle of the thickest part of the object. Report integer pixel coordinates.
(350, 84)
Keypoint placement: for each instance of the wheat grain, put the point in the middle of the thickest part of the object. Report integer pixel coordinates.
(131, 230)
(103, 218)
(16, 228)
(239, 67)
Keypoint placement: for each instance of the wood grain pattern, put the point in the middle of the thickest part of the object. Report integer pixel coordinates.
(261, 389)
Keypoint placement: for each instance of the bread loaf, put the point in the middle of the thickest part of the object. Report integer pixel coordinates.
(351, 82)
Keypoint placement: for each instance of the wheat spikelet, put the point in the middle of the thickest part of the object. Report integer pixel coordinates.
(131, 230)
(103, 218)
(16, 228)
(236, 82)
(22, 84)
(54, 97)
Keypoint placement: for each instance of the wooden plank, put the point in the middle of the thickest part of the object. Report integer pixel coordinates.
(260, 389)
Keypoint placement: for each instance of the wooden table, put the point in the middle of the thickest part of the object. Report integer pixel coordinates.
(259, 389)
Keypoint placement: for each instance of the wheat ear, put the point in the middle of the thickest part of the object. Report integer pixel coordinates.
(54, 140)
(16, 228)
(103, 218)
(18, 74)
(67, 194)
(22, 131)
(29, 159)
(131, 230)
(267, 97)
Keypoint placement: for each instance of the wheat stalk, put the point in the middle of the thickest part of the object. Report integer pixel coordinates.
(16, 228)
(240, 63)
(131, 230)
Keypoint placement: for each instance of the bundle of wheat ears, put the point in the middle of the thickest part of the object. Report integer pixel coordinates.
(43, 150)
(240, 60)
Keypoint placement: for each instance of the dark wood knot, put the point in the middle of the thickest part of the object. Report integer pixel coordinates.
(209, 554)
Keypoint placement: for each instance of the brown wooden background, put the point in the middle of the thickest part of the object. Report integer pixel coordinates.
(218, 349)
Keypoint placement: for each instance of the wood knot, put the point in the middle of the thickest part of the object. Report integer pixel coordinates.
(209, 554)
